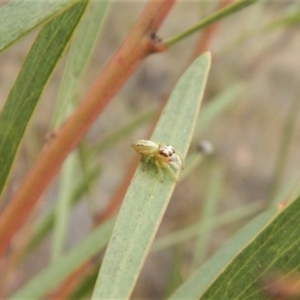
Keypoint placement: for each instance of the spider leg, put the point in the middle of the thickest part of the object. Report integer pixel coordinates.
(180, 158)
(145, 161)
(169, 169)
(159, 171)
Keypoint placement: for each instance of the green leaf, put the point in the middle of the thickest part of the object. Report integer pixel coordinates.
(46, 223)
(36, 70)
(289, 129)
(194, 230)
(285, 21)
(59, 270)
(208, 114)
(147, 197)
(79, 54)
(219, 104)
(62, 208)
(215, 17)
(208, 217)
(19, 17)
(80, 51)
(275, 250)
(196, 285)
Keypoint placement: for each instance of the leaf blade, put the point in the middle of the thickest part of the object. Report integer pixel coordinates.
(275, 249)
(27, 90)
(18, 18)
(147, 198)
(59, 270)
(196, 285)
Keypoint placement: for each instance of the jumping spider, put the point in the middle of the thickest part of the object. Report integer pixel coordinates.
(161, 154)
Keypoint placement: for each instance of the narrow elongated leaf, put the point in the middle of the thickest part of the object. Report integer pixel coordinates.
(53, 275)
(19, 17)
(284, 148)
(79, 54)
(209, 209)
(67, 182)
(196, 285)
(147, 197)
(192, 231)
(24, 96)
(45, 225)
(285, 21)
(219, 104)
(83, 44)
(274, 251)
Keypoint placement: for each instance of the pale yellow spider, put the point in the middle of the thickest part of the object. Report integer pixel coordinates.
(161, 154)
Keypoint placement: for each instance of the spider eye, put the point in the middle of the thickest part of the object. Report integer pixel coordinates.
(167, 151)
(163, 153)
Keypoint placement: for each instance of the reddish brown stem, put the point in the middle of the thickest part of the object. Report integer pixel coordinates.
(71, 282)
(140, 42)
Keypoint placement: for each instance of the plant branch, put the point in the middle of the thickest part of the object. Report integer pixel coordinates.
(228, 10)
(141, 42)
